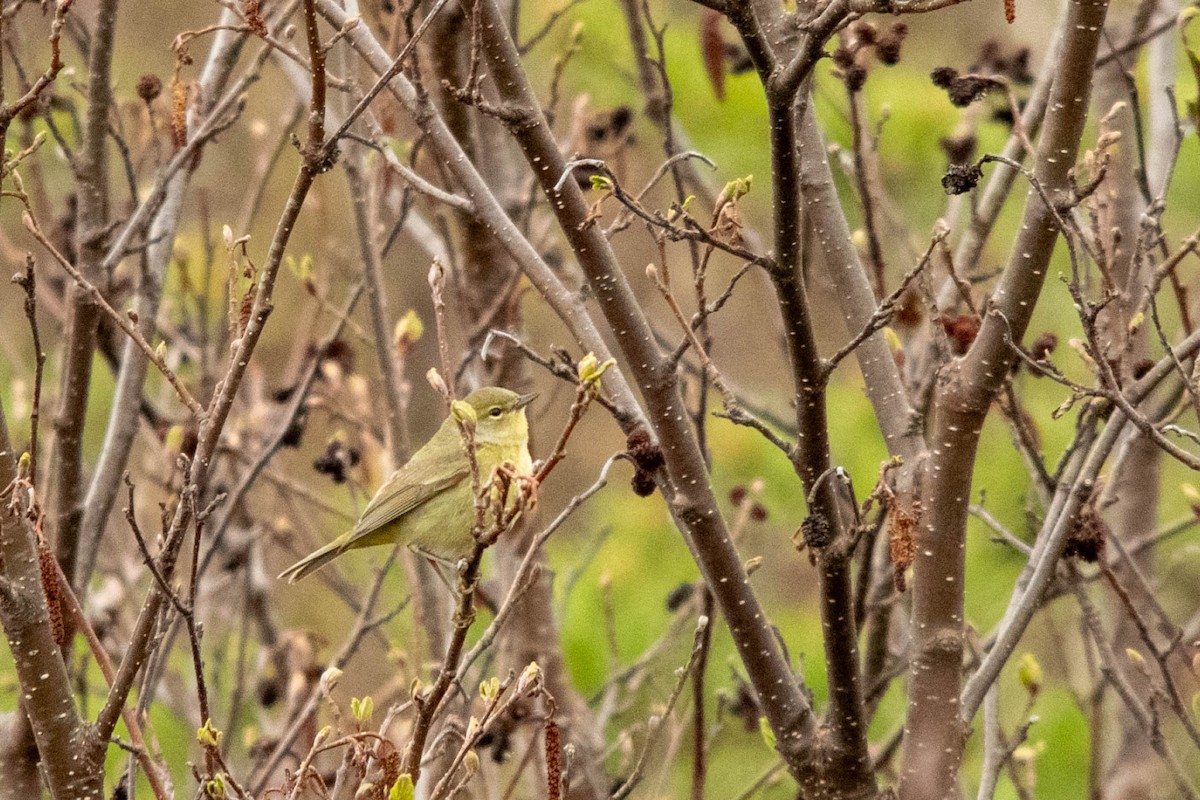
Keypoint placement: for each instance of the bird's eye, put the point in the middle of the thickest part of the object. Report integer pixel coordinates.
(495, 412)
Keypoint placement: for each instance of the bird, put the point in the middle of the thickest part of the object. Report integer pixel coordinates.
(428, 503)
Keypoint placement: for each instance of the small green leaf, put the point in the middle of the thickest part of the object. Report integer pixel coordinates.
(208, 736)
(601, 183)
(215, 788)
(737, 188)
(436, 381)
(403, 788)
(464, 412)
(409, 329)
(893, 340)
(361, 709)
(1030, 673)
(590, 368)
(768, 735)
(529, 676)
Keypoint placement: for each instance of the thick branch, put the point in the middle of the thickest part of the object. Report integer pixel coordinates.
(91, 179)
(37, 660)
(935, 734)
(692, 501)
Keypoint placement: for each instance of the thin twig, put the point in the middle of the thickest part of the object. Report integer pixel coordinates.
(660, 722)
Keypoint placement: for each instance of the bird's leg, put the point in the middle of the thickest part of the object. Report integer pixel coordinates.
(445, 563)
(439, 566)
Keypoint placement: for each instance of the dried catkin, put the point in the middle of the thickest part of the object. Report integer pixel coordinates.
(49, 572)
(553, 762)
(254, 18)
(902, 541)
(179, 94)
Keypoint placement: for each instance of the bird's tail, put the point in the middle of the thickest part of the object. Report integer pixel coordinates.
(313, 561)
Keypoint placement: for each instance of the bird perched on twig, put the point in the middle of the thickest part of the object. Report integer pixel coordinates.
(428, 503)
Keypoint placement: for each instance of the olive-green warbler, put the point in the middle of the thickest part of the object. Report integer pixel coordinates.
(427, 504)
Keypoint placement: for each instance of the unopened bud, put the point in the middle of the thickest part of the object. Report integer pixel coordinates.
(435, 380)
(409, 330)
(464, 412)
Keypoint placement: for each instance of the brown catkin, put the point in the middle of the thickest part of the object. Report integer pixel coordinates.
(712, 48)
(49, 572)
(254, 18)
(178, 112)
(553, 762)
(246, 308)
(1010, 11)
(902, 540)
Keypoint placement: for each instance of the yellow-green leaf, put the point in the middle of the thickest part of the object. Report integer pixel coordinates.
(208, 736)
(1030, 673)
(403, 788)
(409, 329)
(768, 734)
(464, 412)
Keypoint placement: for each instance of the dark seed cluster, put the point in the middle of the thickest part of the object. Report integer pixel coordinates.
(961, 178)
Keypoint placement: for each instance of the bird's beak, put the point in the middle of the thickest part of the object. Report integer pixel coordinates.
(525, 400)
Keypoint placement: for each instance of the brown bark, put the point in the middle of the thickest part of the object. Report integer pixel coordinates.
(966, 388)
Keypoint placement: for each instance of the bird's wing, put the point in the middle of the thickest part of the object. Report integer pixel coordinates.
(391, 503)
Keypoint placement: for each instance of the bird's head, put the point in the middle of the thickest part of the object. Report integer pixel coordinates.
(500, 415)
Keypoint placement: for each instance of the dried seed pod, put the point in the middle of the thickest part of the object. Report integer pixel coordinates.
(254, 18)
(642, 483)
(966, 89)
(942, 77)
(887, 50)
(961, 331)
(149, 87)
(816, 530)
(1043, 346)
(644, 451)
(961, 178)
(855, 77)
(1087, 539)
(337, 459)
